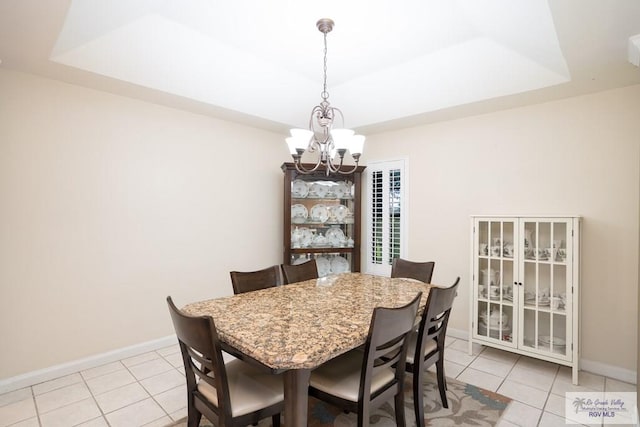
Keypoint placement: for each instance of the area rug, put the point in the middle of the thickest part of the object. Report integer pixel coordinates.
(468, 406)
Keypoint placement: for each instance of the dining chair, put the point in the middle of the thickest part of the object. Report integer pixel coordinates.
(248, 281)
(358, 381)
(300, 272)
(427, 346)
(234, 394)
(413, 270)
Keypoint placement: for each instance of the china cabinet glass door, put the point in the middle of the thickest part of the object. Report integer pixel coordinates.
(494, 313)
(322, 220)
(545, 282)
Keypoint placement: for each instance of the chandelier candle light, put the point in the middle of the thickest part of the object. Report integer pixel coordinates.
(321, 137)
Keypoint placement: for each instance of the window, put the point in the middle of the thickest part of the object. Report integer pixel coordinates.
(386, 215)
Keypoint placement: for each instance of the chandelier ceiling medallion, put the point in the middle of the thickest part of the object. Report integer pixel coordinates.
(330, 144)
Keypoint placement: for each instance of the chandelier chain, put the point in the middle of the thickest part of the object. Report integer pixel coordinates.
(325, 94)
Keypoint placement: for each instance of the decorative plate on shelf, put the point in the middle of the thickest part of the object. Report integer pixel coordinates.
(557, 342)
(320, 241)
(318, 190)
(340, 212)
(341, 190)
(336, 236)
(299, 213)
(299, 188)
(339, 265)
(300, 260)
(319, 213)
(505, 328)
(307, 237)
(544, 302)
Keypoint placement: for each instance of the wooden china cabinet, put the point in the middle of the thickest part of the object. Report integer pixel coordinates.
(322, 219)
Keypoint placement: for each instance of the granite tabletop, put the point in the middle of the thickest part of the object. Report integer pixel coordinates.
(302, 325)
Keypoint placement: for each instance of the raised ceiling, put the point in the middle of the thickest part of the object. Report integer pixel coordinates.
(390, 64)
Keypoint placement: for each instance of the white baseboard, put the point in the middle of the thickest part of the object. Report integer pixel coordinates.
(46, 374)
(615, 372)
(597, 368)
(458, 334)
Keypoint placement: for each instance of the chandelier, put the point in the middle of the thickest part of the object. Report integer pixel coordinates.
(330, 144)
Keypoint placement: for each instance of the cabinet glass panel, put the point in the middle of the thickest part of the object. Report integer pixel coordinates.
(545, 286)
(545, 331)
(322, 217)
(495, 272)
(496, 324)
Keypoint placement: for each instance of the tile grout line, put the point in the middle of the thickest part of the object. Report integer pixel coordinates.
(93, 397)
(33, 396)
(153, 398)
(140, 384)
(150, 395)
(35, 405)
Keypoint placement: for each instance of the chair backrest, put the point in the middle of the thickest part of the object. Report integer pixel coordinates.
(435, 317)
(248, 281)
(413, 270)
(386, 347)
(201, 355)
(301, 272)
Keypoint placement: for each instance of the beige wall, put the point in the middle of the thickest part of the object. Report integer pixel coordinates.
(108, 205)
(576, 156)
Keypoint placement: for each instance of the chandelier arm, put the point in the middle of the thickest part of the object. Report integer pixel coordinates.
(301, 169)
(314, 110)
(348, 172)
(334, 109)
(338, 169)
(319, 111)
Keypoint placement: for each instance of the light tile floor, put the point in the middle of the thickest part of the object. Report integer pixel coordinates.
(149, 390)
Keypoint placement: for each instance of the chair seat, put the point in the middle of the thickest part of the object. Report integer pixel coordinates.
(430, 346)
(341, 376)
(250, 389)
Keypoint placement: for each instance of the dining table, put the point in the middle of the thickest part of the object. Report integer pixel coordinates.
(295, 328)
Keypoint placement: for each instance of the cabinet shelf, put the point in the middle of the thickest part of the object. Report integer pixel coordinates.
(506, 258)
(326, 249)
(545, 309)
(544, 261)
(319, 224)
(496, 301)
(321, 199)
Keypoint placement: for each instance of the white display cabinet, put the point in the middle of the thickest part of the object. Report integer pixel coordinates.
(525, 286)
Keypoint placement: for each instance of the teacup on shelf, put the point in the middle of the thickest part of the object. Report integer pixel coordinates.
(483, 249)
(561, 255)
(541, 254)
(508, 250)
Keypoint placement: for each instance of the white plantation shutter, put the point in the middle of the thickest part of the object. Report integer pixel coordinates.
(386, 215)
